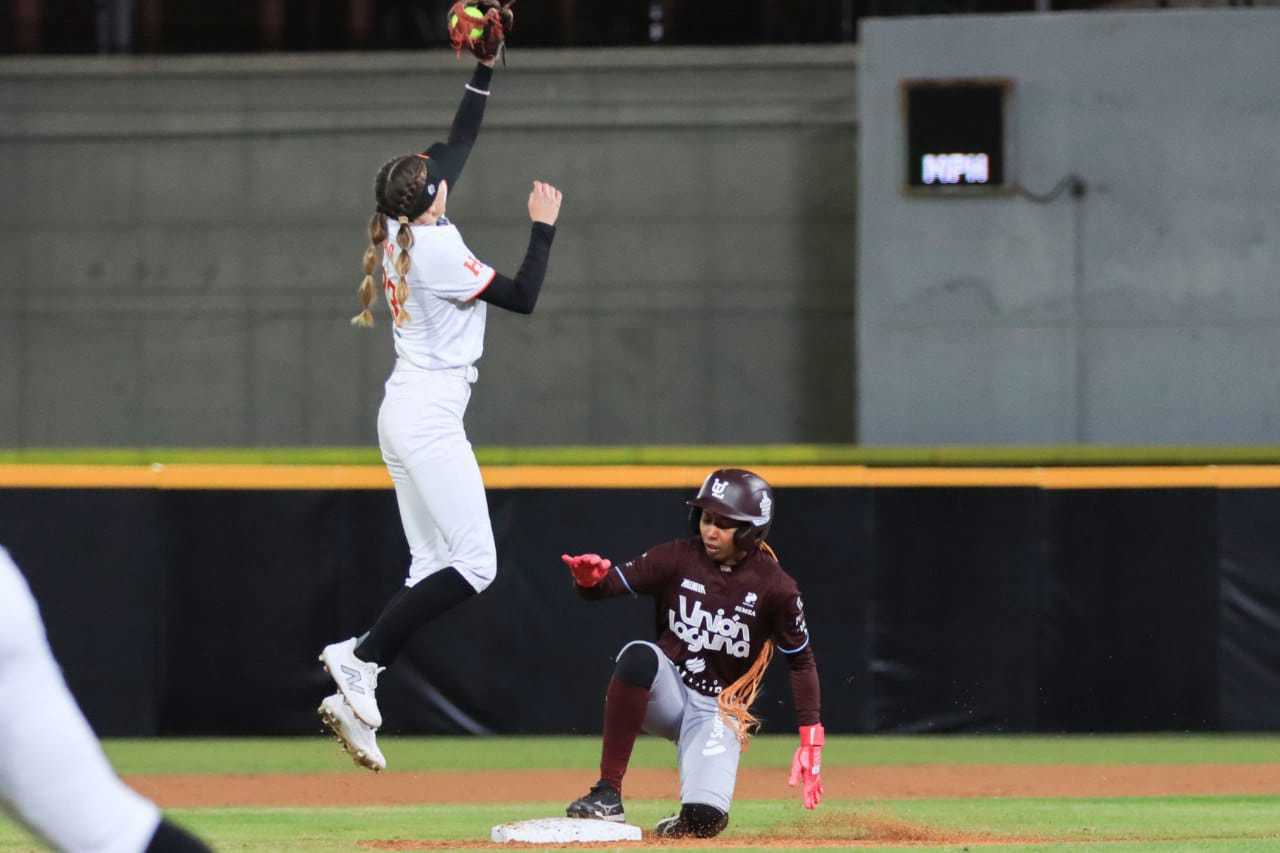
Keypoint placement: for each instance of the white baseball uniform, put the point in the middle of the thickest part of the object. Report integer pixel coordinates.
(420, 423)
(53, 774)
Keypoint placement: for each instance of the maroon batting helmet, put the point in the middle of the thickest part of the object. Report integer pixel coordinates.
(738, 495)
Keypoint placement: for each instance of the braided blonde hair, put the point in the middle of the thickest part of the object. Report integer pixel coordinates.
(396, 189)
(404, 239)
(372, 264)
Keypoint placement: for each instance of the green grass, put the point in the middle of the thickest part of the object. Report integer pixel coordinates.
(1185, 820)
(302, 755)
(702, 456)
(1163, 824)
(1118, 825)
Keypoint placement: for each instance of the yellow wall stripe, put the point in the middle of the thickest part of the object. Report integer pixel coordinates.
(185, 476)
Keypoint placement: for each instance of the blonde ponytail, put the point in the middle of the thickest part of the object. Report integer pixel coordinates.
(404, 239)
(372, 262)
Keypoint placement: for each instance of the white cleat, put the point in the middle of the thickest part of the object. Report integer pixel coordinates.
(356, 738)
(357, 680)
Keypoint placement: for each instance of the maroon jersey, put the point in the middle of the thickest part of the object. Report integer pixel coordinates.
(713, 619)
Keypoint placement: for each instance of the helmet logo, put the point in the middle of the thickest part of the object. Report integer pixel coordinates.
(766, 506)
(718, 488)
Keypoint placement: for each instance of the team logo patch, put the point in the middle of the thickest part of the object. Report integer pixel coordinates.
(750, 599)
(695, 665)
(693, 586)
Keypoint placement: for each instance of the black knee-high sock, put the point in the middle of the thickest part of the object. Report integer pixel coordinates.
(410, 609)
(169, 838)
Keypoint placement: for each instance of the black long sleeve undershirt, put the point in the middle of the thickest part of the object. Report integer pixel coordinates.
(521, 293)
(466, 121)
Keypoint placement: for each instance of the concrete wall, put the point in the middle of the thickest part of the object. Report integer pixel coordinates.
(1146, 312)
(181, 242)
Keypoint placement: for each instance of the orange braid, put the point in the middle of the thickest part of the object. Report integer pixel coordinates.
(735, 701)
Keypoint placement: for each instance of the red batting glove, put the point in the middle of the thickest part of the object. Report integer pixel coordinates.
(806, 766)
(588, 569)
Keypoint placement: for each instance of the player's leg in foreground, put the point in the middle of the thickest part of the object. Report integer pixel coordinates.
(445, 516)
(53, 775)
(709, 753)
(644, 694)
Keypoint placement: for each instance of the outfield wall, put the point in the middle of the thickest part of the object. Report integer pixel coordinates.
(182, 240)
(940, 607)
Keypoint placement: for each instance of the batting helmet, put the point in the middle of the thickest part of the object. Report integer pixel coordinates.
(738, 495)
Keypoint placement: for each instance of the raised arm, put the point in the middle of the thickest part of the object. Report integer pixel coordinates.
(466, 122)
(595, 577)
(520, 294)
(450, 157)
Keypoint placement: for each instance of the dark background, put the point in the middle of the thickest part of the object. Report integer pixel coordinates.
(205, 26)
(932, 609)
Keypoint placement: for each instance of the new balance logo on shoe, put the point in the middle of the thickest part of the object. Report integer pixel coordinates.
(353, 679)
(357, 680)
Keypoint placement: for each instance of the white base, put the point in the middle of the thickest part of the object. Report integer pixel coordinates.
(564, 830)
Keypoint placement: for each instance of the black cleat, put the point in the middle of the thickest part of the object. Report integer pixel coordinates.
(670, 827)
(695, 820)
(602, 802)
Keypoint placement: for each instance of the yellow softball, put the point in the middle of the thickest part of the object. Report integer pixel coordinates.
(473, 13)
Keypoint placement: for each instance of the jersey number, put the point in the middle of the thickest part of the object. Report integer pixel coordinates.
(389, 285)
(391, 299)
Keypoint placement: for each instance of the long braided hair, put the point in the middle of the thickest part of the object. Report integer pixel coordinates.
(397, 191)
(735, 701)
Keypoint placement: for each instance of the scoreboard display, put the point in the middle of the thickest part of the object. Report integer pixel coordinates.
(955, 133)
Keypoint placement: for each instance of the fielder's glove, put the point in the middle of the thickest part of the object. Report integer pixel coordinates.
(481, 26)
(806, 766)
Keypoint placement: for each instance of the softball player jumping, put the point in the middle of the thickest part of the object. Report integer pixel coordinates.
(53, 775)
(724, 604)
(437, 291)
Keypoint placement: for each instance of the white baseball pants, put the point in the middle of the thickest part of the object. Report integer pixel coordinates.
(437, 479)
(53, 775)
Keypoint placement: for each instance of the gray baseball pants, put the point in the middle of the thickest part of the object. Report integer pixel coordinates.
(706, 742)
